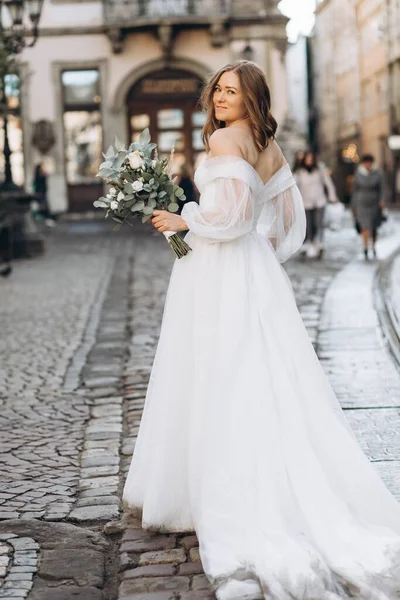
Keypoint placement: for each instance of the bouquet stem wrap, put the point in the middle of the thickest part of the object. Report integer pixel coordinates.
(178, 245)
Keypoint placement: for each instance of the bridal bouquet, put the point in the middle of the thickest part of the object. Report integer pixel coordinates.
(140, 183)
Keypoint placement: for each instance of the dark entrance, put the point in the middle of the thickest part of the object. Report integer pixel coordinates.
(167, 103)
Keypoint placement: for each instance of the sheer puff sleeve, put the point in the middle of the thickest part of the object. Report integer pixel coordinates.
(226, 209)
(283, 219)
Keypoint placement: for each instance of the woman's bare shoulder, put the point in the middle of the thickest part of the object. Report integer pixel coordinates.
(223, 141)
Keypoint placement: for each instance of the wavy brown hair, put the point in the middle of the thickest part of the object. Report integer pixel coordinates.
(256, 98)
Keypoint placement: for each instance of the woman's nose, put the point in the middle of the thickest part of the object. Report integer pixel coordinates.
(221, 96)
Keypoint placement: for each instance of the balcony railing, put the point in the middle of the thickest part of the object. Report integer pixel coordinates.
(152, 11)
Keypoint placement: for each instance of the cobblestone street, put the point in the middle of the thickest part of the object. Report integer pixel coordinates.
(79, 330)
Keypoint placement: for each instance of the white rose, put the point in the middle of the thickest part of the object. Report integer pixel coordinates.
(120, 196)
(137, 186)
(114, 205)
(135, 160)
(113, 191)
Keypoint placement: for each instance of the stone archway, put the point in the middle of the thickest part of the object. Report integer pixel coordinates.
(196, 68)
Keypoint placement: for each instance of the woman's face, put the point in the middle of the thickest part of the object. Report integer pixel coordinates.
(368, 165)
(309, 160)
(228, 99)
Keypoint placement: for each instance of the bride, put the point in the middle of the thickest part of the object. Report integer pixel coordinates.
(242, 439)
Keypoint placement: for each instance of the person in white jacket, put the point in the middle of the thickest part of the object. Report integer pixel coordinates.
(317, 188)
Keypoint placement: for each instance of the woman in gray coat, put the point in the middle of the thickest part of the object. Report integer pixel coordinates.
(368, 200)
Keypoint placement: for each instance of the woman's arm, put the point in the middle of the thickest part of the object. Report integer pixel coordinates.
(382, 190)
(330, 186)
(229, 197)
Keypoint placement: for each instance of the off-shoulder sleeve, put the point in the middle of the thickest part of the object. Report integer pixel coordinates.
(226, 209)
(283, 219)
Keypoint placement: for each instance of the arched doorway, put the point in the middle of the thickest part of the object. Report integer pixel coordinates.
(166, 101)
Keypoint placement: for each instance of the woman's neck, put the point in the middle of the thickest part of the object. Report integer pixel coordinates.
(243, 123)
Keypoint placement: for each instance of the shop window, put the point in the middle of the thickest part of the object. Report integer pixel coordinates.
(169, 139)
(169, 118)
(81, 88)
(14, 127)
(83, 145)
(82, 125)
(140, 122)
(198, 118)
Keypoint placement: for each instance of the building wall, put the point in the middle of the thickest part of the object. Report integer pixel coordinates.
(352, 81)
(373, 59)
(297, 75)
(72, 37)
(325, 81)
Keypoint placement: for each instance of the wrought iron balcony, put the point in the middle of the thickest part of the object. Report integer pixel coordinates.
(125, 13)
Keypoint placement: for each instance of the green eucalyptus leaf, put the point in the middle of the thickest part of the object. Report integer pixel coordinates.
(173, 207)
(147, 210)
(110, 153)
(117, 227)
(138, 206)
(107, 164)
(179, 192)
(145, 218)
(100, 204)
(118, 144)
(145, 138)
(105, 173)
(135, 146)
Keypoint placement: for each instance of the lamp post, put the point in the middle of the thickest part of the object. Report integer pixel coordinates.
(20, 31)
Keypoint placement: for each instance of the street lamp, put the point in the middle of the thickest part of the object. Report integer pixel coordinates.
(13, 39)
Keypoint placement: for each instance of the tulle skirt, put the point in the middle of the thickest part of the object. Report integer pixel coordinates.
(243, 440)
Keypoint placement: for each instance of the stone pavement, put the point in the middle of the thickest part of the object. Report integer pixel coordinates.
(79, 331)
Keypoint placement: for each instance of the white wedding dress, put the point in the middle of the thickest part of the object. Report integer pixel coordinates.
(242, 438)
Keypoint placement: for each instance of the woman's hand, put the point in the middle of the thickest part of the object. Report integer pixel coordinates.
(166, 221)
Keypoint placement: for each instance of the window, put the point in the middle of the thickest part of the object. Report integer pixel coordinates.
(14, 128)
(82, 125)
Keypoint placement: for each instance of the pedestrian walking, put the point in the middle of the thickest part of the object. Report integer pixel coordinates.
(185, 181)
(40, 187)
(242, 439)
(316, 188)
(368, 201)
(298, 161)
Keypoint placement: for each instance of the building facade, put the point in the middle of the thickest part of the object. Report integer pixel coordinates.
(110, 68)
(374, 77)
(393, 40)
(351, 81)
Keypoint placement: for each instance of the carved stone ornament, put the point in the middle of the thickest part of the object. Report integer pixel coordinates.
(43, 137)
(116, 39)
(165, 34)
(218, 34)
